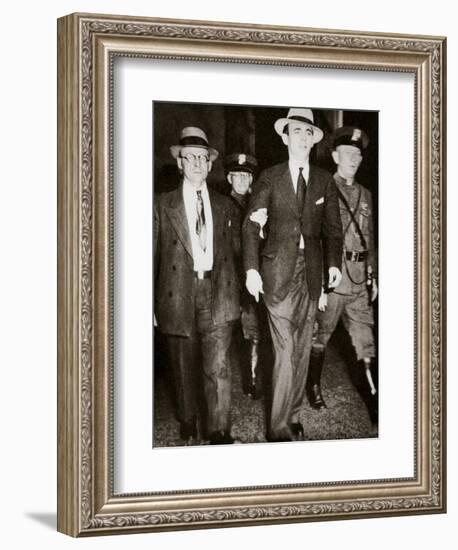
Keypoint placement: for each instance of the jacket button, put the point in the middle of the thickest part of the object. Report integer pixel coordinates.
(228, 283)
(225, 258)
(175, 241)
(170, 294)
(174, 267)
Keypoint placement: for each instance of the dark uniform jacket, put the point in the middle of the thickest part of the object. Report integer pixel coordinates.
(239, 205)
(174, 265)
(319, 223)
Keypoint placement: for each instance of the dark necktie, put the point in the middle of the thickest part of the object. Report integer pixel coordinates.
(300, 190)
(201, 228)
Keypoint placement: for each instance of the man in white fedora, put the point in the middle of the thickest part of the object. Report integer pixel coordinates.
(303, 241)
(196, 289)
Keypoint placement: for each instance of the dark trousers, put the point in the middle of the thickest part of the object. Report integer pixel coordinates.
(291, 323)
(203, 355)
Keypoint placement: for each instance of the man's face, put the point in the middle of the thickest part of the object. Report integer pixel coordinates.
(348, 159)
(240, 181)
(195, 164)
(299, 141)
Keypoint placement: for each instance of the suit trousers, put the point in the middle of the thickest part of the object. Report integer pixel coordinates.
(203, 356)
(291, 323)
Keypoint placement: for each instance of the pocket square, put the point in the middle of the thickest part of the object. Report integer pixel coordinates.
(320, 201)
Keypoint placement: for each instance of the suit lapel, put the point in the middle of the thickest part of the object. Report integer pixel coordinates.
(177, 215)
(311, 184)
(287, 189)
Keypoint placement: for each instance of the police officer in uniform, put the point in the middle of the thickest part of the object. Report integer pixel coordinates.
(240, 172)
(352, 300)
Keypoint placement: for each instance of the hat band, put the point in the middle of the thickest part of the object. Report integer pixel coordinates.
(193, 141)
(301, 119)
(240, 168)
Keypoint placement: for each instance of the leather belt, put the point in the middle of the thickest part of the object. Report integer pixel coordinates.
(202, 274)
(354, 256)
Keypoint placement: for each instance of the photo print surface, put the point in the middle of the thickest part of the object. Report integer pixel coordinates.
(265, 274)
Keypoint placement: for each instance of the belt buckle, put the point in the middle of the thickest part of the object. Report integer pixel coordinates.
(200, 275)
(354, 256)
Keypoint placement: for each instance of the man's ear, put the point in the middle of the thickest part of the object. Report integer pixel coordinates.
(229, 179)
(285, 139)
(180, 164)
(250, 184)
(210, 166)
(335, 157)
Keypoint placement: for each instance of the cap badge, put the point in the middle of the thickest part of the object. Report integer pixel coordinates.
(356, 134)
(242, 159)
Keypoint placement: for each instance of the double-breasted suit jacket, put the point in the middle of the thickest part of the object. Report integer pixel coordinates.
(174, 274)
(319, 222)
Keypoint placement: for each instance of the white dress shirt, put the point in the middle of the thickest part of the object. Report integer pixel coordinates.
(294, 171)
(203, 261)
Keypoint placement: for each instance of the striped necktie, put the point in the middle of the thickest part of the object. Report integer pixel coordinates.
(201, 228)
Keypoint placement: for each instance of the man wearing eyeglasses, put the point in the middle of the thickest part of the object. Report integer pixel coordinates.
(196, 290)
(304, 233)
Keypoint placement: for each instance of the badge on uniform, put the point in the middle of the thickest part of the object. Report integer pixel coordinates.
(356, 134)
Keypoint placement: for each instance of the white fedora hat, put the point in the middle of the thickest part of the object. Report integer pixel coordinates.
(193, 137)
(304, 116)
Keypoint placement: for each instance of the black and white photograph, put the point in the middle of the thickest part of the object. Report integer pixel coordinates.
(228, 283)
(265, 274)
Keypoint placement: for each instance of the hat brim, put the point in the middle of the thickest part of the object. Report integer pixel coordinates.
(240, 168)
(175, 151)
(282, 122)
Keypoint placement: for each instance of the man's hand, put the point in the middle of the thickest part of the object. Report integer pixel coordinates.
(323, 300)
(335, 276)
(254, 283)
(374, 291)
(259, 216)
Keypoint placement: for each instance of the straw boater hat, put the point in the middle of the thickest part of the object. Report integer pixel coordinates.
(351, 135)
(193, 137)
(299, 115)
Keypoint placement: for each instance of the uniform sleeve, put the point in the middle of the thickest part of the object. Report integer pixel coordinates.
(332, 227)
(251, 239)
(372, 251)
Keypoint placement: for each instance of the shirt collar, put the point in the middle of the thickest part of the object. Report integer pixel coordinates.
(342, 181)
(241, 199)
(294, 166)
(189, 188)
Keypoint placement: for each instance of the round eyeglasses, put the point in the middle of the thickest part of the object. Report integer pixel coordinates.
(200, 159)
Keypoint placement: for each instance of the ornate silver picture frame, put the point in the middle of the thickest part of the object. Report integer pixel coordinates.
(88, 502)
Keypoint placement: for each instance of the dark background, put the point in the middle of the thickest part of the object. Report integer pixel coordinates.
(250, 129)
